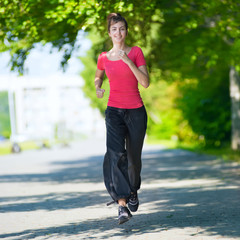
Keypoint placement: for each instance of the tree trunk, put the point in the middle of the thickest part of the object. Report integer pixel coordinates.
(235, 98)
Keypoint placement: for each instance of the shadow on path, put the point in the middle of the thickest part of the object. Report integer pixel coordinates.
(80, 170)
(214, 209)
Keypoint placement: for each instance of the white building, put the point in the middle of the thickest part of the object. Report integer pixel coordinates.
(49, 107)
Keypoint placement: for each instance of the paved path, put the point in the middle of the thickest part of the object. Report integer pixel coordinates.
(59, 194)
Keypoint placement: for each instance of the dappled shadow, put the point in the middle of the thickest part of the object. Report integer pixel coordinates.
(177, 208)
(213, 208)
(211, 203)
(81, 170)
(53, 201)
(215, 211)
(184, 165)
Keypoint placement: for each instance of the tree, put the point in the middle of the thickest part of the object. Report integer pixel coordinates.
(24, 23)
(4, 115)
(235, 97)
(200, 40)
(191, 39)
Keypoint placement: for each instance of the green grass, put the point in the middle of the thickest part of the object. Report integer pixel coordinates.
(226, 153)
(5, 147)
(172, 144)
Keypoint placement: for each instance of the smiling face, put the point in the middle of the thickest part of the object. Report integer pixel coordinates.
(118, 32)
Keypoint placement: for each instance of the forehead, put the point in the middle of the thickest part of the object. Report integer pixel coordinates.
(117, 24)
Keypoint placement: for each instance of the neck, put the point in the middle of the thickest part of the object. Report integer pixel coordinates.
(120, 46)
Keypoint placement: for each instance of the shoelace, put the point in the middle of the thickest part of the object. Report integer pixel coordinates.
(133, 197)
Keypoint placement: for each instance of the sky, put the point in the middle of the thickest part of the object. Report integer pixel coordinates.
(40, 62)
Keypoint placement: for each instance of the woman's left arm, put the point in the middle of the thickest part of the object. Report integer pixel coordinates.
(141, 72)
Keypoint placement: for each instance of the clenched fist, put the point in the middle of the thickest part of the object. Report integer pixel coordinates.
(100, 92)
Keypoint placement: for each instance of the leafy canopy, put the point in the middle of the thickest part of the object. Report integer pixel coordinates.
(26, 22)
(184, 41)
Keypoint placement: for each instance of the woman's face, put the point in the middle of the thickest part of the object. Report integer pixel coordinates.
(118, 32)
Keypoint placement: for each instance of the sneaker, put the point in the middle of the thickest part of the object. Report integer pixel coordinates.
(123, 214)
(133, 202)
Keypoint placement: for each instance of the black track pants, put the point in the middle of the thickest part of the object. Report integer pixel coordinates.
(122, 164)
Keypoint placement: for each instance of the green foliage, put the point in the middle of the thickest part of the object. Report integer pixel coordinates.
(189, 47)
(207, 108)
(197, 40)
(5, 129)
(26, 22)
(165, 120)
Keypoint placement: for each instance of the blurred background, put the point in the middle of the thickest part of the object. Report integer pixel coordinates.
(192, 52)
(46, 106)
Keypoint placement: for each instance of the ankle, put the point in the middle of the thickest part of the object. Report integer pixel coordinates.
(122, 202)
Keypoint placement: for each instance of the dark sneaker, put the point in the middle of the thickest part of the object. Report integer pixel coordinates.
(133, 202)
(123, 214)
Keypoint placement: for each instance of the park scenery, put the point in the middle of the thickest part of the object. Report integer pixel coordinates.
(191, 48)
(52, 128)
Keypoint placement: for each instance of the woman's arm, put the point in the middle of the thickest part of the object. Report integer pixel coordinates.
(98, 82)
(141, 73)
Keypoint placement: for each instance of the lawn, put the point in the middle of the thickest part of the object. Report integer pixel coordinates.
(226, 153)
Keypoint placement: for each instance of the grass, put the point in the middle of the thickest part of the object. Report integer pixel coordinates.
(225, 152)
(5, 147)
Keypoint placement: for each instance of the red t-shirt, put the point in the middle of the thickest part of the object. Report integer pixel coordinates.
(124, 92)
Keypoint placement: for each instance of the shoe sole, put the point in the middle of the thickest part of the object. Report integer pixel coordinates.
(123, 220)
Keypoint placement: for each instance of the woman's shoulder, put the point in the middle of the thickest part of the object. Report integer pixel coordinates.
(136, 49)
(102, 56)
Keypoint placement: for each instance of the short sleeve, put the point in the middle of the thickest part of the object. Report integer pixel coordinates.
(100, 62)
(140, 60)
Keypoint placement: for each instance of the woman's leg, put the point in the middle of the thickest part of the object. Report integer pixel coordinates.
(137, 125)
(115, 166)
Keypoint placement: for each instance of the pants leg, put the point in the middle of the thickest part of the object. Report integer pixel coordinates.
(115, 165)
(137, 125)
(121, 168)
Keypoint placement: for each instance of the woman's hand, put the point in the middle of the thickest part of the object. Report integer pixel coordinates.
(140, 73)
(98, 83)
(123, 56)
(100, 92)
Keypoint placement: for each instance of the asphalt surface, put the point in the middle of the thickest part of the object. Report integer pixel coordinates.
(59, 193)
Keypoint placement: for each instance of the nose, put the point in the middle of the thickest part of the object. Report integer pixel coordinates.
(118, 31)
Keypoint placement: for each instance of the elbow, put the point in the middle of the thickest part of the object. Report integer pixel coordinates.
(146, 84)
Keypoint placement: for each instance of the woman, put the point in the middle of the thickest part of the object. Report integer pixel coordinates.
(126, 118)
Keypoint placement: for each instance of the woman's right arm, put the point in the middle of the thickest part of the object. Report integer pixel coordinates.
(98, 82)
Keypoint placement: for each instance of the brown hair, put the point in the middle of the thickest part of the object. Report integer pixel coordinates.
(114, 18)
